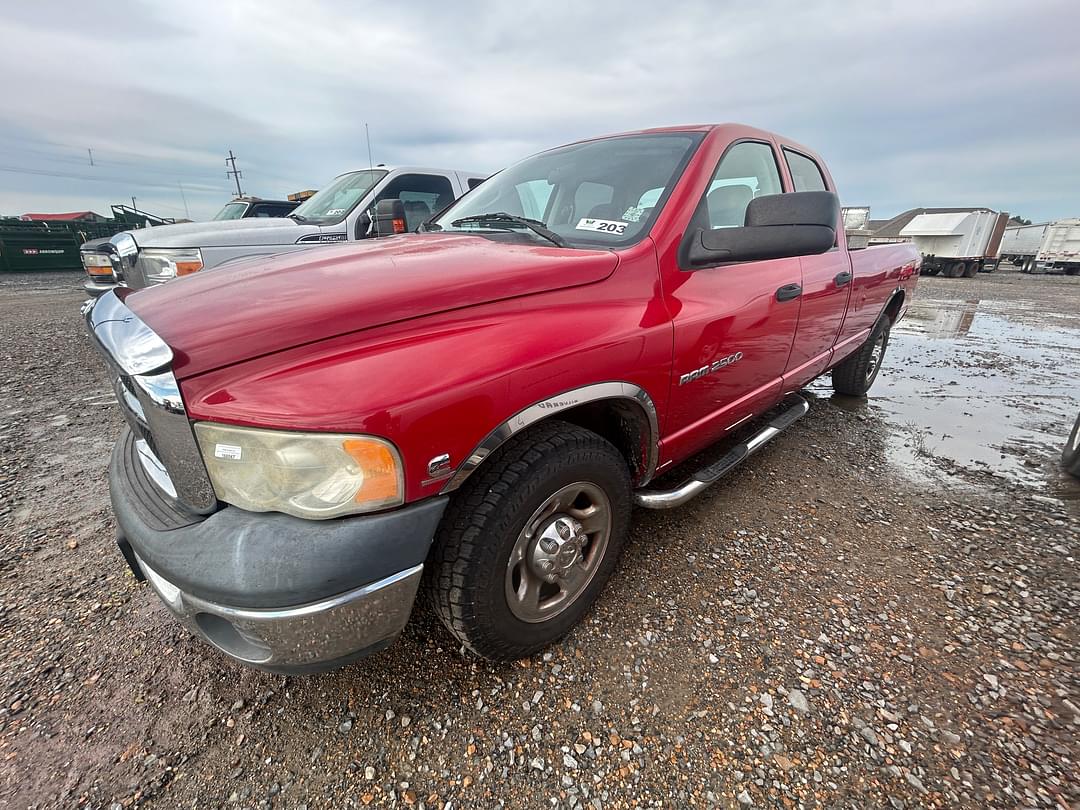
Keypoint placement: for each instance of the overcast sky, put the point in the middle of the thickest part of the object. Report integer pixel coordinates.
(912, 103)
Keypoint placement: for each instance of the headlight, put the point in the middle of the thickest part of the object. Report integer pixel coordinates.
(97, 265)
(309, 475)
(162, 264)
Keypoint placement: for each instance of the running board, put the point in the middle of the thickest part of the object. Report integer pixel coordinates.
(707, 476)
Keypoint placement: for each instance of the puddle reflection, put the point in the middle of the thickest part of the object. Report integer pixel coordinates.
(987, 386)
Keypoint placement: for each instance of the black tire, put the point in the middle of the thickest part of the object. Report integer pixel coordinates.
(954, 270)
(1072, 271)
(970, 269)
(470, 571)
(929, 271)
(855, 374)
(1070, 456)
(1027, 265)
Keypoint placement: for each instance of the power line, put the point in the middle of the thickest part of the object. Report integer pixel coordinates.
(117, 180)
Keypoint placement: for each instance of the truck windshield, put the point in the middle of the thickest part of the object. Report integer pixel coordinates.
(233, 210)
(333, 203)
(603, 193)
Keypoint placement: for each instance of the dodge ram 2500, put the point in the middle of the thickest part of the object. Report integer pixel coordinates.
(477, 407)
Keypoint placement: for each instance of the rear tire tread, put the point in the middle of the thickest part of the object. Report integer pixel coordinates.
(849, 376)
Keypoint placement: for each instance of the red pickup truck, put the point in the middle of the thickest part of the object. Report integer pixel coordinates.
(478, 406)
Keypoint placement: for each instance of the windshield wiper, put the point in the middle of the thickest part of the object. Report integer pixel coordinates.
(297, 218)
(537, 227)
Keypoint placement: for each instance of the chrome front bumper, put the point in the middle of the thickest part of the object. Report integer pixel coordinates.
(307, 638)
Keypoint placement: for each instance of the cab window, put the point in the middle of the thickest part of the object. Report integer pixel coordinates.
(747, 170)
(806, 175)
(421, 195)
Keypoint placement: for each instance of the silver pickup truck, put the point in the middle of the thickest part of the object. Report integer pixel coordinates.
(343, 211)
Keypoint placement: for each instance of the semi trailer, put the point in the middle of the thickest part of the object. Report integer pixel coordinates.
(957, 244)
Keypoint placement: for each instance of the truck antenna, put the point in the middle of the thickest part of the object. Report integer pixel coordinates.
(367, 136)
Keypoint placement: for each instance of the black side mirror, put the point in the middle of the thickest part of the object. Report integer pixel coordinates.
(777, 226)
(389, 217)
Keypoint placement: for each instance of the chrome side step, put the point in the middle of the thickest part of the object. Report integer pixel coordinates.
(707, 476)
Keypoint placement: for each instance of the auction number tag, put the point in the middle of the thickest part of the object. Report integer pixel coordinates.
(601, 225)
(230, 451)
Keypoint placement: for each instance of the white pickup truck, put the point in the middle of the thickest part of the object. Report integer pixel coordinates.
(343, 211)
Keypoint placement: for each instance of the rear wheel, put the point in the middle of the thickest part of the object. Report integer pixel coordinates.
(1027, 265)
(529, 541)
(970, 269)
(854, 376)
(1070, 456)
(954, 269)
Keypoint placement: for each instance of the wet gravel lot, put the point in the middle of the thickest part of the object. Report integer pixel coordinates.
(880, 609)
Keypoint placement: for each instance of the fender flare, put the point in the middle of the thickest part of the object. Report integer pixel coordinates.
(565, 401)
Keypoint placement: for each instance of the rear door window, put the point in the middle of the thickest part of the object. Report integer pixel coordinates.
(806, 175)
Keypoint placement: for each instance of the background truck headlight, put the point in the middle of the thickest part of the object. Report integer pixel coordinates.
(163, 264)
(308, 475)
(97, 265)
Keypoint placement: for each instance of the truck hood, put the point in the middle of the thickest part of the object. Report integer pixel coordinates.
(226, 233)
(263, 305)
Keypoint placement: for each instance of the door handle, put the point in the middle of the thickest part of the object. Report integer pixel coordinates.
(842, 278)
(789, 292)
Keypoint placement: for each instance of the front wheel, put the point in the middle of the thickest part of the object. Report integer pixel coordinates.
(855, 374)
(529, 541)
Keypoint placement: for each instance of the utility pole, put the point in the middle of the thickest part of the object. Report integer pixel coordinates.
(235, 173)
(133, 206)
(183, 196)
(90, 152)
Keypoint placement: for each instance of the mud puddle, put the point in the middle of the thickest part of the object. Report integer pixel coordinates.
(980, 388)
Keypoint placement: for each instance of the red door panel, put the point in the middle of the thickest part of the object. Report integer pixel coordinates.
(824, 302)
(732, 332)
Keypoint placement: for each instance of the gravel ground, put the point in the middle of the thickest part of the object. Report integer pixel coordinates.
(868, 614)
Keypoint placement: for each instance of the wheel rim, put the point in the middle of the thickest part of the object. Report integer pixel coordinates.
(876, 353)
(558, 552)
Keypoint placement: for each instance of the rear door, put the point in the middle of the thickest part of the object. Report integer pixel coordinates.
(733, 331)
(826, 286)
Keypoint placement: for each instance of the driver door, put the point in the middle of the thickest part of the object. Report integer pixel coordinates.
(733, 331)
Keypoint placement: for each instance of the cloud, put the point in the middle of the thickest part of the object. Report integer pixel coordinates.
(912, 103)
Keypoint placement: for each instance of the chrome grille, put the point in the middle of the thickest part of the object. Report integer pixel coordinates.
(149, 398)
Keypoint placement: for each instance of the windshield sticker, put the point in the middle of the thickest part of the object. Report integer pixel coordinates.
(633, 213)
(601, 225)
(333, 212)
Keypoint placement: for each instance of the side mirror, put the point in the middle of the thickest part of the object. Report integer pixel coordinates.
(777, 226)
(389, 217)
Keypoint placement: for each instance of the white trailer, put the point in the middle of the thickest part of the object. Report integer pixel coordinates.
(1060, 248)
(1021, 242)
(958, 244)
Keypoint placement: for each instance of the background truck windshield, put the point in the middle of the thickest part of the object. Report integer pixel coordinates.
(600, 193)
(333, 203)
(233, 210)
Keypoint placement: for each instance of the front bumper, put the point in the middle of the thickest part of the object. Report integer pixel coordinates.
(267, 589)
(303, 639)
(96, 289)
